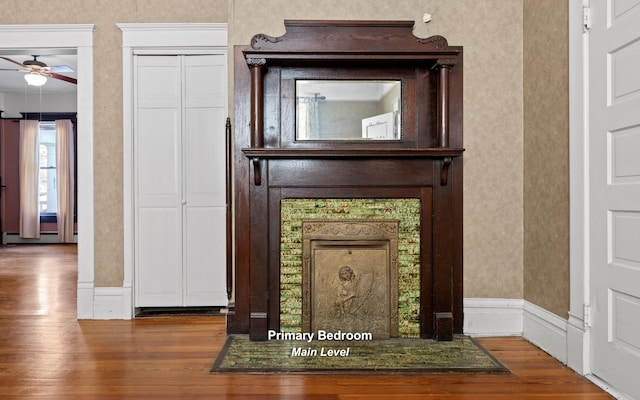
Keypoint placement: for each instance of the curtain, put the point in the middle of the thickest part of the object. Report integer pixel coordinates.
(65, 181)
(29, 170)
(308, 118)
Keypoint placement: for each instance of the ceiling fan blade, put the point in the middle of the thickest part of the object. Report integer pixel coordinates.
(61, 69)
(64, 78)
(9, 69)
(13, 61)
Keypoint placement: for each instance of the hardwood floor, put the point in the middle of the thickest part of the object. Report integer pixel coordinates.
(45, 353)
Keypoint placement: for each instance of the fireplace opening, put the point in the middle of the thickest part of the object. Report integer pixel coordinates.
(350, 277)
(378, 239)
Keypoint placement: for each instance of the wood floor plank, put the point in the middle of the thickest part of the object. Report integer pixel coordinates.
(46, 353)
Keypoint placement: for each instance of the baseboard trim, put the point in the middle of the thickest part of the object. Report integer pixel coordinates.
(516, 317)
(482, 317)
(112, 303)
(85, 300)
(578, 337)
(493, 317)
(607, 388)
(546, 330)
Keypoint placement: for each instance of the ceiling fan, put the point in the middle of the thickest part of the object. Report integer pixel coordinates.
(37, 70)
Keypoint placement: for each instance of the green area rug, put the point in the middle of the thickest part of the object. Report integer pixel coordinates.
(399, 355)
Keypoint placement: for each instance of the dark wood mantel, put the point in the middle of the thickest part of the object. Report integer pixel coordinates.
(271, 165)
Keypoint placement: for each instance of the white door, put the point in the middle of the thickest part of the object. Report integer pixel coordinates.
(179, 176)
(205, 94)
(614, 192)
(158, 181)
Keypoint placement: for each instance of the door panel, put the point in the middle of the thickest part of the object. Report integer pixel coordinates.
(614, 195)
(205, 111)
(157, 166)
(159, 273)
(205, 243)
(624, 333)
(204, 179)
(158, 162)
(625, 163)
(621, 8)
(205, 157)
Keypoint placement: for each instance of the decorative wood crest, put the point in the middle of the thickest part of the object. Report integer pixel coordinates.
(439, 41)
(349, 36)
(258, 40)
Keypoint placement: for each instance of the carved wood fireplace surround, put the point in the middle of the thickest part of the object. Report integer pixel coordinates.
(277, 157)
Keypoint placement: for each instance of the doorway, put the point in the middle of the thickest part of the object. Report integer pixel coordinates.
(157, 39)
(80, 39)
(180, 107)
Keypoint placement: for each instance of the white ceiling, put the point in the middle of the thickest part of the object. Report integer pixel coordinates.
(13, 81)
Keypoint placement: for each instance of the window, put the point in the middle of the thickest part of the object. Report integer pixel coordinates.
(47, 178)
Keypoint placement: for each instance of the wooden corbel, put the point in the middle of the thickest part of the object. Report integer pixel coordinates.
(444, 172)
(257, 171)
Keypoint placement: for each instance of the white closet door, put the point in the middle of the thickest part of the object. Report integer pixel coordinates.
(157, 149)
(205, 94)
(181, 107)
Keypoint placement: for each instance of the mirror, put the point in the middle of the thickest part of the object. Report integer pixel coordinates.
(348, 109)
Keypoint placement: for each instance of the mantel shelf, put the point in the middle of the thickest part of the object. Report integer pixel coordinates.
(299, 153)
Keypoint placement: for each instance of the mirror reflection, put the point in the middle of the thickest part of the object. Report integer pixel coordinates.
(348, 110)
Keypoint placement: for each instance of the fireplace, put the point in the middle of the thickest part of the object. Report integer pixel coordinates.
(350, 276)
(378, 239)
(347, 231)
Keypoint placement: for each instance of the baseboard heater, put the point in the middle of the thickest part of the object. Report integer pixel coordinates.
(45, 238)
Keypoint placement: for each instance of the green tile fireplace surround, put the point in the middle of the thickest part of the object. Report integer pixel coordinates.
(405, 211)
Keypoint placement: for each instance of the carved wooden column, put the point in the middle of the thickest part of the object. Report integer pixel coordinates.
(256, 66)
(444, 68)
(443, 251)
(258, 271)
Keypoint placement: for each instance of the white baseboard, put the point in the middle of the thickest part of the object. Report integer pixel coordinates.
(546, 330)
(85, 300)
(578, 345)
(607, 388)
(516, 317)
(112, 303)
(493, 317)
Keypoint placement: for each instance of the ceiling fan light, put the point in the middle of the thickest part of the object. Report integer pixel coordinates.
(35, 79)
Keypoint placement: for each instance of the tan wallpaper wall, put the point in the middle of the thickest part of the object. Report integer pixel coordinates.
(492, 36)
(546, 155)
